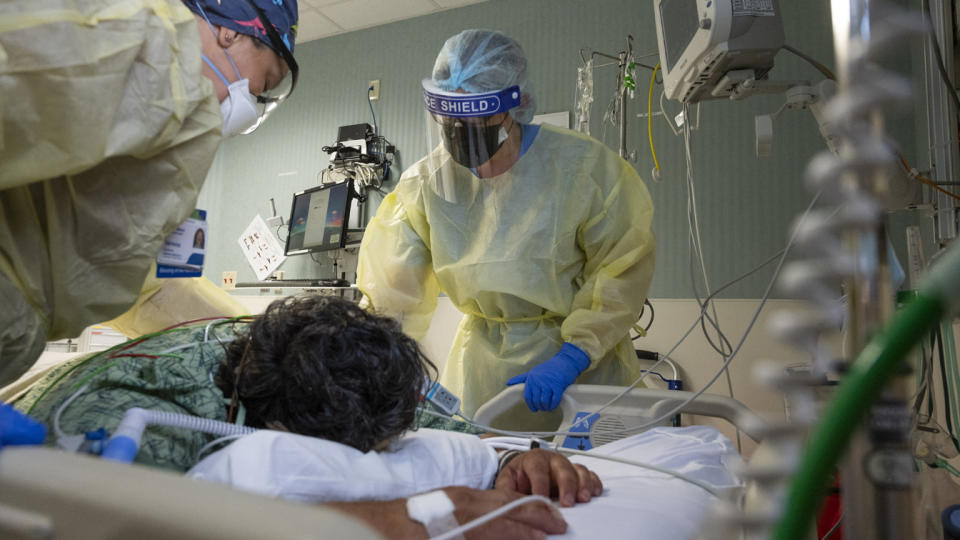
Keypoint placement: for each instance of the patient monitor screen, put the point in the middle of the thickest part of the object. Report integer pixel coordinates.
(318, 218)
(679, 21)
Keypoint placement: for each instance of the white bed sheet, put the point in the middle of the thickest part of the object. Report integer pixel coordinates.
(644, 504)
(636, 503)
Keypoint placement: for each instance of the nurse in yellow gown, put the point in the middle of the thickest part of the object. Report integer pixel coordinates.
(539, 235)
(111, 112)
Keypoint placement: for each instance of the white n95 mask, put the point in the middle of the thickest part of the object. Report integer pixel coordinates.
(239, 110)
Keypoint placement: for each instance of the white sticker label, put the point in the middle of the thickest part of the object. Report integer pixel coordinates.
(229, 280)
(756, 8)
(261, 248)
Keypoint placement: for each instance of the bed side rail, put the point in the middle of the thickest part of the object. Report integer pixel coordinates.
(637, 407)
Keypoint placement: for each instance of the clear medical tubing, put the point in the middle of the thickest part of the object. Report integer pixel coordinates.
(877, 364)
(125, 442)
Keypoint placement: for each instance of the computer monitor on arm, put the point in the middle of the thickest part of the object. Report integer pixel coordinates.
(708, 47)
(319, 218)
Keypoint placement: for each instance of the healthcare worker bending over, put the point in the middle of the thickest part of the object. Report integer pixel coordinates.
(108, 124)
(540, 235)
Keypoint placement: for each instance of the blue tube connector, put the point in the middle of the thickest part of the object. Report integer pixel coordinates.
(120, 448)
(125, 442)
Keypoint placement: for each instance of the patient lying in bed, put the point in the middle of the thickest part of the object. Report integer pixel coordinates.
(322, 367)
(314, 365)
(317, 366)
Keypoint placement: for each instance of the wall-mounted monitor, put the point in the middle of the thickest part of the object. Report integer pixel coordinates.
(708, 46)
(319, 218)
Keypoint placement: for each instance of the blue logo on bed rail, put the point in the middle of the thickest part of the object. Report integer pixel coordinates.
(577, 442)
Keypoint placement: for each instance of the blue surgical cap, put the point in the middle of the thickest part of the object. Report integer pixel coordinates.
(239, 16)
(484, 61)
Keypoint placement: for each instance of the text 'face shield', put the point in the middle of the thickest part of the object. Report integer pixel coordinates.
(469, 127)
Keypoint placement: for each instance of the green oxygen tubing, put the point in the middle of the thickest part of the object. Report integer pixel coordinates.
(879, 362)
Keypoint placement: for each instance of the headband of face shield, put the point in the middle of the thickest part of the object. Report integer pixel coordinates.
(241, 111)
(465, 121)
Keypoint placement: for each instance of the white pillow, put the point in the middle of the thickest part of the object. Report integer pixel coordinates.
(308, 469)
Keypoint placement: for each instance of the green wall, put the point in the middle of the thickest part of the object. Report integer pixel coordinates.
(745, 204)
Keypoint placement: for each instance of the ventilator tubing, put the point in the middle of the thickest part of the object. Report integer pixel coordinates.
(125, 442)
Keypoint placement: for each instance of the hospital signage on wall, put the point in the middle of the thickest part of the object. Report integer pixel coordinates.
(183, 251)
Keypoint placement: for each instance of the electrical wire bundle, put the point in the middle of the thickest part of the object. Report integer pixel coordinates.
(936, 443)
(364, 175)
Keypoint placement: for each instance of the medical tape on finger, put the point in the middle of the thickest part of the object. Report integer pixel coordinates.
(435, 511)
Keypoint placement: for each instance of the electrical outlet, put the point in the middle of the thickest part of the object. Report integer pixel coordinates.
(374, 90)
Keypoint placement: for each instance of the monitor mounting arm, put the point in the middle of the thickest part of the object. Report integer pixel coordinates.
(799, 95)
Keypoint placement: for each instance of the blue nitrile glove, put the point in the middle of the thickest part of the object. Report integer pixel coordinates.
(17, 428)
(546, 382)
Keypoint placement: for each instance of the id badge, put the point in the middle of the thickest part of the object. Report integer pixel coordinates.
(183, 251)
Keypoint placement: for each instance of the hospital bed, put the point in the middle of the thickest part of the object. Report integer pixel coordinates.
(51, 494)
(637, 408)
(643, 504)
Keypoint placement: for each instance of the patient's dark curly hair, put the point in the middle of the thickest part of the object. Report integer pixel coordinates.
(322, 366)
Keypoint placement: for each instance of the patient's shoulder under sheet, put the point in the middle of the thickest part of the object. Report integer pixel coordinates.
(308, 469)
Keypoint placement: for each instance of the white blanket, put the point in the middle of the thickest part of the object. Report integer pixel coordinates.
(644, 504)
(636, 503)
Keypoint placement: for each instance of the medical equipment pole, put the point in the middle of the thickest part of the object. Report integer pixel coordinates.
(878, 472)
(623, 65)
(622, 91)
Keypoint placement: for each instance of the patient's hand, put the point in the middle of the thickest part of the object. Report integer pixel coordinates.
(540, 472)
(530, 521)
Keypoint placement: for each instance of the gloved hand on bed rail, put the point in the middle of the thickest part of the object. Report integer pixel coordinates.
(546, 382)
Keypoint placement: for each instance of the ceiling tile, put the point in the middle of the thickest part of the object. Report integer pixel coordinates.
(313, 25)
(358, 14)
(456, 3)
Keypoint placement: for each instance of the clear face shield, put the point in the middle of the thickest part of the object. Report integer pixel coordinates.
(269, 100)
(464, 131)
